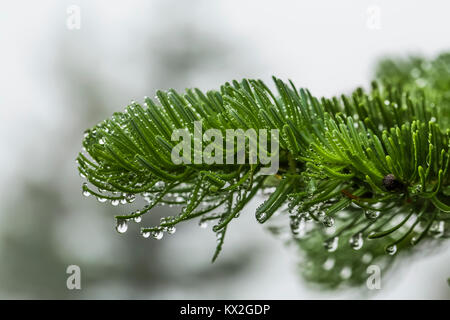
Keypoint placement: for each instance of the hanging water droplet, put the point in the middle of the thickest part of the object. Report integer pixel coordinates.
(137, 219)
(146, 234)
(101, 200)
(329, 264)
(331, 244)
(84, 190)
(356, 241)
(158, 235)
(171, 230)
(437, 229)
(367, 257)
(294, 224)
(391, 250)
(123, 201)
(101, 141)
(291, 205)
(130, 198)
(321, 214)
(346, 273)
(115, 202)
(121, 226)
(371, 214)
(298, 226)
(261, 217)
(330, 231)
(160, 184)
(328, 221)
(203, 224)
(82, 175)
(418, 188)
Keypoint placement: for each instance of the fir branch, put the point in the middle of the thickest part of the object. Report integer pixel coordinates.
(372, 164)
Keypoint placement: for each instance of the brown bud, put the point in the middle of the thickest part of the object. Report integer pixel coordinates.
(391, 183)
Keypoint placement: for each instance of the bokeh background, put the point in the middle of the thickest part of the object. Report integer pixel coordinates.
(55, 82)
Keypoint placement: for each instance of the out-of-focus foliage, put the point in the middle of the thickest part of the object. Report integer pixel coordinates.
(347, 266)
(419, 73)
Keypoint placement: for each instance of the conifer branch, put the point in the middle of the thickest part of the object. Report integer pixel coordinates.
(374, 165)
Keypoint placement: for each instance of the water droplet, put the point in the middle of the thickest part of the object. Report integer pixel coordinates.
(328, 221)
(330, 231)
(331, 244)
(294, 224)
(437, 229)
(391, 250)
(123, 201)
(115, 202)
(158, 235)
(146, 234)
(356, 241)
(346, 273)
(148, 200)
(203, 224)
(415, 72)
(100, 199)
(86, 193)
(329, 264)
(82, 175)
(298, 226)
(261, 217)
(367, 257)
(418, 188)
(137, 219)
(130, 198)
(101, 141)
(171, 230)
(371, 214)
(121, 226)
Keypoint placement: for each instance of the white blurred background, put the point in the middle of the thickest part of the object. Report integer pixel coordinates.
(55, 82)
